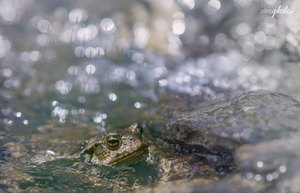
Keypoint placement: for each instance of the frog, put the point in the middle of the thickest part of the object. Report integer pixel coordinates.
(116, 148)
(123, 152)
(171, 160)
(115, 160)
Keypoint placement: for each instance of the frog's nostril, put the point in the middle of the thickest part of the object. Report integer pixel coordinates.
(135, 128)
(140, 130)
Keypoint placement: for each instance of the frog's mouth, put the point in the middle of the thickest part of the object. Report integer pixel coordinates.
(130, 157)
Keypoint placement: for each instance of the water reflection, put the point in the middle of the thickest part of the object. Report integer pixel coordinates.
(108, 25)
(109, 63)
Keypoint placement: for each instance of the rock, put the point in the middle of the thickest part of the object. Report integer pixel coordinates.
(250, 118)
(261, 129)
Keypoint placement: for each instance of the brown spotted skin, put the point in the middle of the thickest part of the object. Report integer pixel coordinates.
(117, 148)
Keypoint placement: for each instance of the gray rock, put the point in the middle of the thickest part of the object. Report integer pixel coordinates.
(261, 128)
(250, 118)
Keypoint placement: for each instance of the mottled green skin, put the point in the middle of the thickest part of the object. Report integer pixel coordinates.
(130, 146)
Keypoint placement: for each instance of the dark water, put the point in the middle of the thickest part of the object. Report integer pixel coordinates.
(72, 69)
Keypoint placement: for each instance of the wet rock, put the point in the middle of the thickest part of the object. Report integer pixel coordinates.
(249, 118)
(260, 128)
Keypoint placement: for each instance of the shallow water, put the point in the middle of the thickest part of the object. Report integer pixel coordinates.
(70, 70)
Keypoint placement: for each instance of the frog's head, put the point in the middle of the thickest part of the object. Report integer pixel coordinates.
(117, 148)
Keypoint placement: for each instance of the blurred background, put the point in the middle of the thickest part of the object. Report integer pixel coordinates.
(109, 63)
(109, 60)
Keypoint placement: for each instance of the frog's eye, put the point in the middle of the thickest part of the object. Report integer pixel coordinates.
(113, 141)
